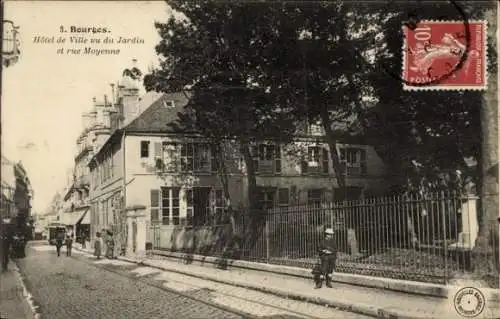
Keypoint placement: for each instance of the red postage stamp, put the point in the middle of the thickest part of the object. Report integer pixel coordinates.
(443, 55)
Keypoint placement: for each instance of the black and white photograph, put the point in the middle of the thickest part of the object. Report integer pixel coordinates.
(249, 159)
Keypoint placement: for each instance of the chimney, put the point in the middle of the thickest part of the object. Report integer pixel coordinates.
(112, 94)
(128, 97)
(106, 112)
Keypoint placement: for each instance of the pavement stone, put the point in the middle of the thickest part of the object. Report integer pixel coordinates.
(13, 303)
(65, 287)
(81, 285)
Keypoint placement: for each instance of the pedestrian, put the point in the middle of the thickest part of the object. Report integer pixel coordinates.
(98, 245)
(110, 246)
(84, 240)
(328, 257)
(6, 238)
(59, 242)
(69, 245)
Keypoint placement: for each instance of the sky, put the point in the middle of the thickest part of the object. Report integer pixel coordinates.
(45, 93)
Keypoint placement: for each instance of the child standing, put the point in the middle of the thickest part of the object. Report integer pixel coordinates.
(328, 257)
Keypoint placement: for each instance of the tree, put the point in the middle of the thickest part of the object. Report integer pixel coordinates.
(215, 53)
(323, 74)
(430, 134)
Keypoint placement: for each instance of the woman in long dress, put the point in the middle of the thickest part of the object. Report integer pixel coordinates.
(110, 246)
(98, 246)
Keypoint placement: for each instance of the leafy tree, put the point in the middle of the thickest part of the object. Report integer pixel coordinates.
(215, 55)
(428, 135)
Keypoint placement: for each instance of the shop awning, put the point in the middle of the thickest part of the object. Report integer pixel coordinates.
(85, 218)
(73, 218)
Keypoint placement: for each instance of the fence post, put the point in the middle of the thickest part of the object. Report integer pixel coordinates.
(266, 233)
(445, 242)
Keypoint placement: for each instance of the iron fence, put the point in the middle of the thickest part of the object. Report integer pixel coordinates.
(415, 237)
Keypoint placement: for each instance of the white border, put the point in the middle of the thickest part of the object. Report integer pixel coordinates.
(437, 87)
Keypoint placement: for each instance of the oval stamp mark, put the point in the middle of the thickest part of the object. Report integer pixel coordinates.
(469, 302)
(445, 55)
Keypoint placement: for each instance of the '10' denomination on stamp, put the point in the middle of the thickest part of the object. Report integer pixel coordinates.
(445, 55)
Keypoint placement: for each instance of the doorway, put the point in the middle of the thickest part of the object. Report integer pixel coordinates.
(201, 204)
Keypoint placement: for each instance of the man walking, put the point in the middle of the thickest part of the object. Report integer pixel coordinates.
(6, 240)
(69, 245)
(59, 242)
(328, 257)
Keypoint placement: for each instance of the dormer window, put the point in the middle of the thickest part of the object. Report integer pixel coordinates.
(169, 104)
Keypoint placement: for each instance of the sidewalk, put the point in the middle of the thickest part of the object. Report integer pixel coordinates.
(367, 301)
(13, 303)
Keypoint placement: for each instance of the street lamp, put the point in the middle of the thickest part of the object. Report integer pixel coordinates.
(10, 43)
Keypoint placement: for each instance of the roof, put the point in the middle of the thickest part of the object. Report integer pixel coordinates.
(158, 115)
(154, 117)
(145, 101)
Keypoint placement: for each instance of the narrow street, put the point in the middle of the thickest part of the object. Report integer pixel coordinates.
(82, 287)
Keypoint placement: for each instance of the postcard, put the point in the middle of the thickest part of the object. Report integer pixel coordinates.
(249, 159)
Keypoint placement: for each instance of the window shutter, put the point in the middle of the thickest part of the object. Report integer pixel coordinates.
(255, 155)
(155, 198)
(325, 164)
(262, 152)
(304, 165)
(277, 157)
(213, 156)
(155, 215)
(158, 149)
(363, 161)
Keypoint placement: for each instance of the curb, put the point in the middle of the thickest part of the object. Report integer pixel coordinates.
(25, 295)
(406, 286)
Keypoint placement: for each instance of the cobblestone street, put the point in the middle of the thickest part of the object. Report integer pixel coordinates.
(82, 287)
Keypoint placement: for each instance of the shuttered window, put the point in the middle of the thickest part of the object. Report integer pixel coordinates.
(155, 206)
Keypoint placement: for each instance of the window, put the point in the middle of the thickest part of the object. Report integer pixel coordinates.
(315, 128)
(266, 158)
(315, 196)
(353, 161)
(195, 157)
(283, 197)
(169, 104)
(170, 209)
(266, 198)
(144, 149)
(219, 201)
(316, 161)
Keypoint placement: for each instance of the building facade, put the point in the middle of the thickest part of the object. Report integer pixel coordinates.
(16, 196)
(145, 173)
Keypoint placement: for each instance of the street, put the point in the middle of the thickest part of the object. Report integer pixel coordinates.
(82, 287)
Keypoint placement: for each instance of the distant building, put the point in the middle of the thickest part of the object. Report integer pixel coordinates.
(16, 193)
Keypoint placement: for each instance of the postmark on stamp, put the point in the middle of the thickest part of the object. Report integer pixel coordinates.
(445, 55)
(469, 302)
